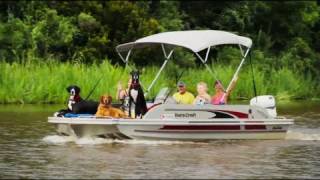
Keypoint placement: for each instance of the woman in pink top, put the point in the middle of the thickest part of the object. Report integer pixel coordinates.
(221, 96)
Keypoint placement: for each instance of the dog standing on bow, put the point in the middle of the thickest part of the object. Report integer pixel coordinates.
(137, 100)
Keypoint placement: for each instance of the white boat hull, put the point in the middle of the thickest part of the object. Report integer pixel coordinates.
(86, 127)
(182, 122)
(206, 129)
(196, 130)
(202, 135)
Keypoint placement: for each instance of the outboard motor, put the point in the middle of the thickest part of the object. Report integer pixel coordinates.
(267, 102)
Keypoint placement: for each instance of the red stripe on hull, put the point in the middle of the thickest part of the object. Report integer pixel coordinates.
(201, 127)
(237, 114)
(254, 127)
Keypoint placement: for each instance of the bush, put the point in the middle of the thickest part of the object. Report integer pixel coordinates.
(45, 82)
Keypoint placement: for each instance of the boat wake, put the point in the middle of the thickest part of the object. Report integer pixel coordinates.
(56, 139)
(304, 134)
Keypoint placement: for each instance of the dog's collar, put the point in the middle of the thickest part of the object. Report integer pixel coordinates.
(135, 85)
(76, 98)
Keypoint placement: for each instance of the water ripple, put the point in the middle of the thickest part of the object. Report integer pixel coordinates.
(30, 149)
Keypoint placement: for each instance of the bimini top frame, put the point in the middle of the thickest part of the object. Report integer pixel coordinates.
(195, 40)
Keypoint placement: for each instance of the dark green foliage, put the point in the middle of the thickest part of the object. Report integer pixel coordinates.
(88, 31)
(285, 34)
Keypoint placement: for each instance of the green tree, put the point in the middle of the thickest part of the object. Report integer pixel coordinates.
(14, 40)
(52, 35)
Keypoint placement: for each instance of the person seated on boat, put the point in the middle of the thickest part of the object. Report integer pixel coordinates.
(122, 92)
(183, 96)
(123, 95)
(221, 96)
(203, 97)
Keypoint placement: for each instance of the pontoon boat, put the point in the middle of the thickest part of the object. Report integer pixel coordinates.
(166, 120)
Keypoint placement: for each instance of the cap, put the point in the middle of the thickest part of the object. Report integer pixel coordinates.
(180, 83)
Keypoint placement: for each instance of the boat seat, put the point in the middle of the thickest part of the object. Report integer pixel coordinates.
(170, 100)
(71, 115)
(162, 96)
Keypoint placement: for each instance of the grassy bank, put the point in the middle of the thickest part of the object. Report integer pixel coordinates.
(46, 82)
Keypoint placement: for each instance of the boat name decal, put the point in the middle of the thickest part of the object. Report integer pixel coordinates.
(185, 115)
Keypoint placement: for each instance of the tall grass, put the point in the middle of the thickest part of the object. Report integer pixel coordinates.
(37, 82)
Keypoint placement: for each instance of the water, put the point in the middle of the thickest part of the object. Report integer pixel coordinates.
(29, 148)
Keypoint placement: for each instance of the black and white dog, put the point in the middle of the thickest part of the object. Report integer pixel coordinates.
(76, 104)
(136, 96)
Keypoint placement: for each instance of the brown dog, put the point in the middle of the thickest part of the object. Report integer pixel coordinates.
(105, 108)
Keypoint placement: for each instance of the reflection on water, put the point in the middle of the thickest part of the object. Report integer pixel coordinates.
(30, 149)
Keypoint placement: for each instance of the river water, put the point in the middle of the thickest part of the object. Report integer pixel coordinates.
(29, 148)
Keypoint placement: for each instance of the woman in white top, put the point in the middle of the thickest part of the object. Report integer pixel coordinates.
(123, 96)
(203, 97)
(122, 92)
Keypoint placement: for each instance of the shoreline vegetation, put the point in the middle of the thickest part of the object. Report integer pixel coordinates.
(47, 45)
(45, 83)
